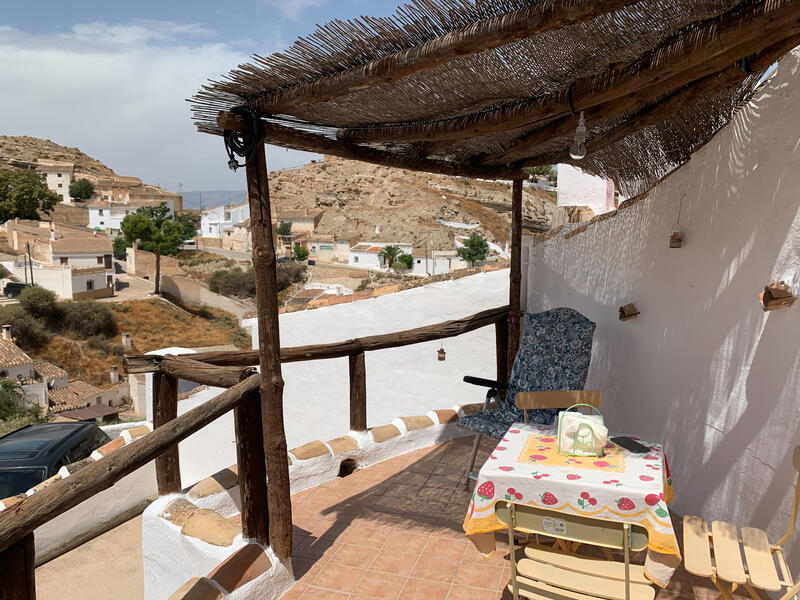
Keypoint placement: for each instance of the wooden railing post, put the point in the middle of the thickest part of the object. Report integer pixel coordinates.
(17, 571)
(358, 392)
(165, 409)
(515, 277)
(252, 468)
(501, 352)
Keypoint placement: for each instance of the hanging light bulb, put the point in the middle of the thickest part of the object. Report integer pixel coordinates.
(578, 149)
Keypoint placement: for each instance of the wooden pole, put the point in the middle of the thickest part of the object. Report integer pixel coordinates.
(252, 468)
(269, 344)
(515, 284)
(358, 392)
(17, 571)
(165, 409)
(501, 351)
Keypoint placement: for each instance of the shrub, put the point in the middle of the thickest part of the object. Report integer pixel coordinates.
(120, 244)
(289, 273)
(4, 273)
(299, 253)
(233, 282)
(29, 331)
(404, 261)
(88, 318)
(39, 302)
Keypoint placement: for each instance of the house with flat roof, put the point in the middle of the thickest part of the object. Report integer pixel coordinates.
(57, 176)
(367, 254)
(214, 221)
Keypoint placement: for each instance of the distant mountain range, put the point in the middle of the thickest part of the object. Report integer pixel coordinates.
(211, 198)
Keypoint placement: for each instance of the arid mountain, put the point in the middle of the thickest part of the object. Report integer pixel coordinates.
(408, 206)
(15, 151)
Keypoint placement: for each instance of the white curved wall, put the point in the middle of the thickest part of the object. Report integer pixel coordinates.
(703, 369)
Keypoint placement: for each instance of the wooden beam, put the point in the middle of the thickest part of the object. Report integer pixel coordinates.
(515, 278)
(252, 468)
(189, 369)
(501, 351)
(165, 409)
(19, 520)
(358, 392)
(269, 344)
(477, 37)
(17, 570)
(288, 137)
(382, 341)
(707, 86)
(749, 27)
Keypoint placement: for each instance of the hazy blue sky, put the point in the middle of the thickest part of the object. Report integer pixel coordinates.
(112, 77)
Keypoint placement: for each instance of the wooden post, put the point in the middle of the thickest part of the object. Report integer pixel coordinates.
(514, 288)
(269, 345)
(501, 352)
(358, 392)
(165, 409)
(252, 468)
(17, 571)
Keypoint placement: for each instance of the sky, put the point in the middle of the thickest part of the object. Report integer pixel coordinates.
(112, 78)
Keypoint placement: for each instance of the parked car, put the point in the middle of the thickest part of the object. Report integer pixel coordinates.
(14, 288)
(31, 454)
(281, 259)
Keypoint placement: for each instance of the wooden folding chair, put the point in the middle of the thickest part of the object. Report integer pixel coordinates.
(556, 399)
(726, 570)
(545, 573)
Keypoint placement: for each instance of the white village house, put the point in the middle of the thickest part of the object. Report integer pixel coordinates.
(366, 255)
(57, 176)
(214, 221)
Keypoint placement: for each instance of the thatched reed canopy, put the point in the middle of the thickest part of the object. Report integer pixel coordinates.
(484, 88)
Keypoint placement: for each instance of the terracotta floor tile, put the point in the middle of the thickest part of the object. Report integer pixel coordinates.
(313, 593)
(369, 536)
(411, 543)
(394, 563)
(295, 593)
(435, 568)
(486, 577)
(340, 578)
(305, 568)
(380, 585)
(418, 589)
(459, 592)
(447, 549)
(315, 549)
(353, 556)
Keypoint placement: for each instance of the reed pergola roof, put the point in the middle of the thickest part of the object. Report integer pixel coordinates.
(484, 88)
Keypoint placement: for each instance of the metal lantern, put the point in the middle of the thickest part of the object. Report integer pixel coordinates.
(441, 353)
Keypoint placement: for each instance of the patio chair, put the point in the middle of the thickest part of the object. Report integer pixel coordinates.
(727, 571)
(553, 355)
(546, 573)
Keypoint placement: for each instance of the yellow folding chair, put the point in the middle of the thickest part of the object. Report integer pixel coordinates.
(763, 560)
(547, 574)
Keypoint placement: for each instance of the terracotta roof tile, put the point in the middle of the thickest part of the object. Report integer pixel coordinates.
(49, 370)
(11, 355)
(101, 244)
(76, 395)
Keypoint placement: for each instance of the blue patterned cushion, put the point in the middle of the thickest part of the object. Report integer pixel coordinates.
(554, 354)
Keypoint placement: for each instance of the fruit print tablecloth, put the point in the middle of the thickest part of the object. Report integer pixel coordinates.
(526, 468)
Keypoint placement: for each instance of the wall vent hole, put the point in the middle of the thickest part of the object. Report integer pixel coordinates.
(348, 466)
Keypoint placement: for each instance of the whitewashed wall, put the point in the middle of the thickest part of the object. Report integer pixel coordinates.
(576, 188)
(703, 369)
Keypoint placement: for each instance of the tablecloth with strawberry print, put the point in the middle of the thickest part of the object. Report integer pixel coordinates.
(527, 468)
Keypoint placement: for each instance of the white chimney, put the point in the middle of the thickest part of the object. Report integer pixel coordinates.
(52, 235)
(114, 374)
(7, 332)
(126, 342)
(127, 197)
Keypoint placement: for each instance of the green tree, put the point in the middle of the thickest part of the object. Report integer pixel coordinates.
(157, 232)
(405, 261)
(474, 249)
(284, 228)
(120, 244)
(81, 189)
(39, 302)
(299, 253)
(390, 253)
(23, 194)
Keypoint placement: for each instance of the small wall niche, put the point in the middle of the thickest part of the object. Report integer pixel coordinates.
(628, 312)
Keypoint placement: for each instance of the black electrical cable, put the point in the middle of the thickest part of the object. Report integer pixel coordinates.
(237, 144)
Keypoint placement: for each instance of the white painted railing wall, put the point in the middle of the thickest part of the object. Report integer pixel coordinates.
(703, 369)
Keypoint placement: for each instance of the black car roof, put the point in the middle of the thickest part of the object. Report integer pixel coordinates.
(35, 444)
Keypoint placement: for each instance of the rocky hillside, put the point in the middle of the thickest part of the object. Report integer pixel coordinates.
(17, 150)
(408, 206)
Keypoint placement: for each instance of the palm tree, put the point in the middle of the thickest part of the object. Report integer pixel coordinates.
(389, 254)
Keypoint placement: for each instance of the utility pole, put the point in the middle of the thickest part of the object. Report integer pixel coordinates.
(30, 259)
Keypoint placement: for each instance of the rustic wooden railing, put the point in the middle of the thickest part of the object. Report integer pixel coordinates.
(220, 369)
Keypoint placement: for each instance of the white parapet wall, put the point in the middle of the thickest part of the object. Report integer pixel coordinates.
(702, 369)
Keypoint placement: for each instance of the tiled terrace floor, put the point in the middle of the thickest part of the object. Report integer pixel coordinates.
(393, 531)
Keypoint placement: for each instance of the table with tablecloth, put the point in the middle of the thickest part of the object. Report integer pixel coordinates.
(527, 468)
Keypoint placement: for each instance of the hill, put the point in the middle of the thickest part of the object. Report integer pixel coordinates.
(16, 151)
(408, 206)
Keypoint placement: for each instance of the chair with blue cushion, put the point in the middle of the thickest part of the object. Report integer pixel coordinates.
(553, 355)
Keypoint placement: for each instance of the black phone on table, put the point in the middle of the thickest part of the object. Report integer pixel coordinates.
(631, 445)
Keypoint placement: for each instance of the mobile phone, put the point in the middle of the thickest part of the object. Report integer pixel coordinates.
(629, 444)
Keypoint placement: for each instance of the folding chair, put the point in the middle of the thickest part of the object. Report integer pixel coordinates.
(726, 570)
(547, 574)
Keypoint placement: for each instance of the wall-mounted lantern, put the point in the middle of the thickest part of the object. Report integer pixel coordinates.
(628, 312)
(676, 237)
(442, 355)
(776, 295)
